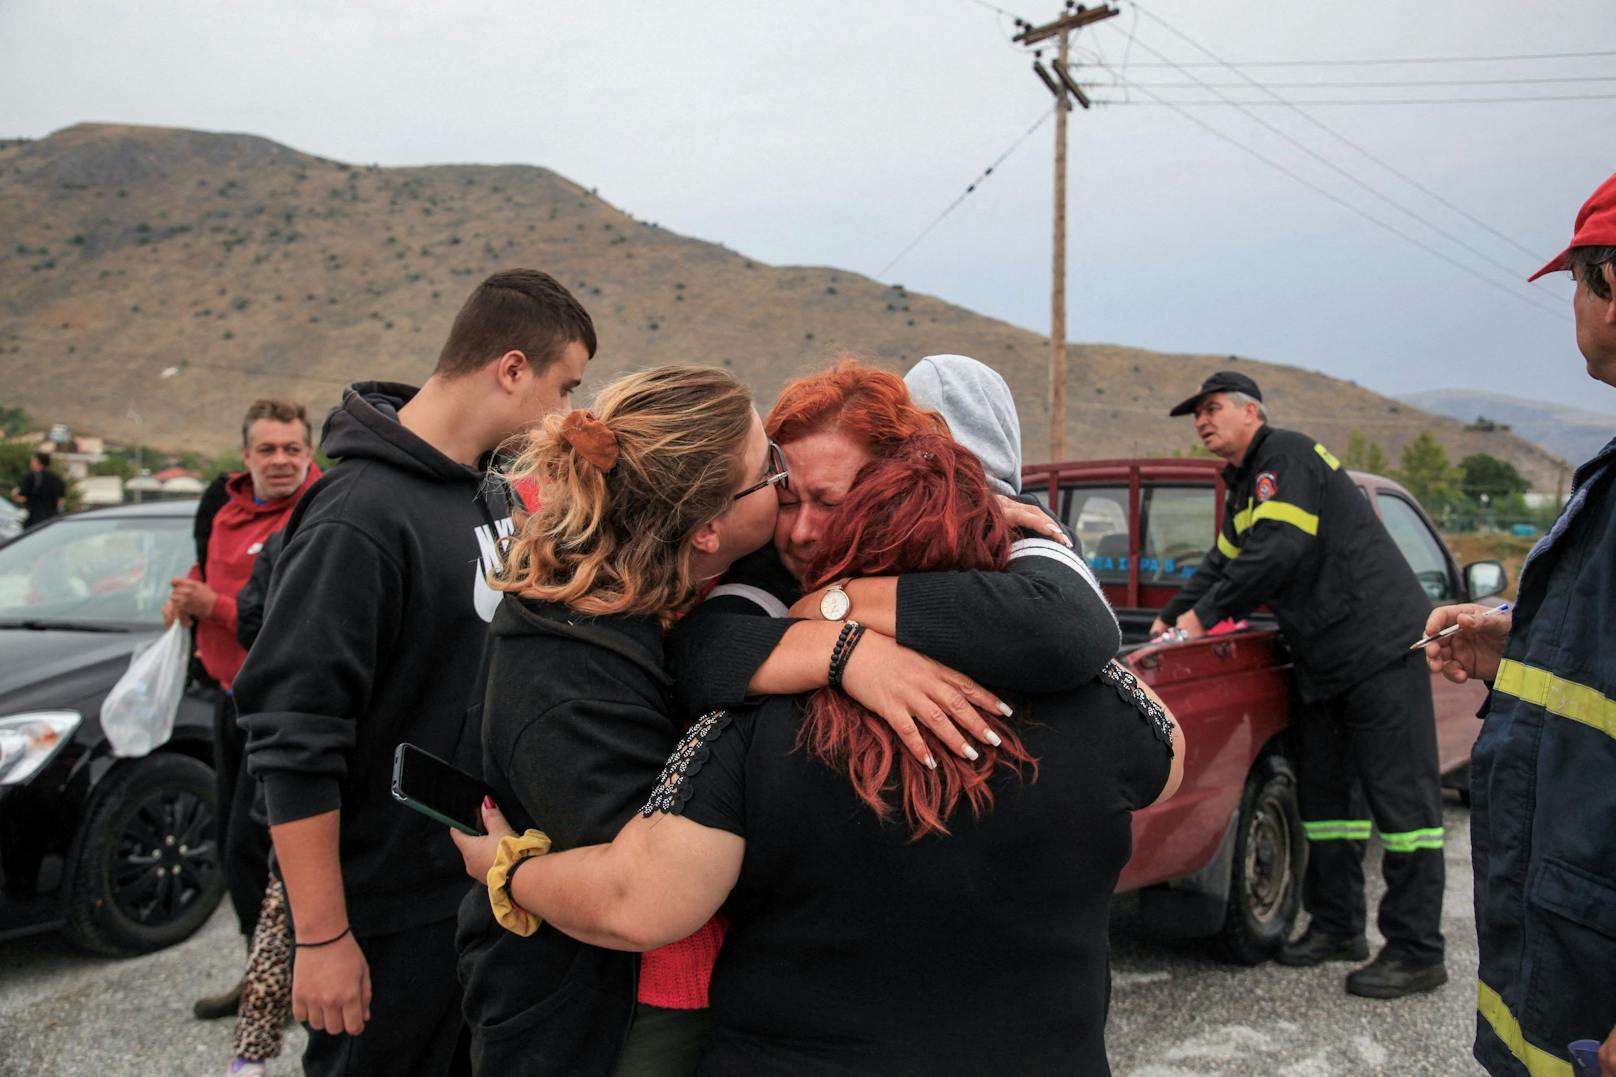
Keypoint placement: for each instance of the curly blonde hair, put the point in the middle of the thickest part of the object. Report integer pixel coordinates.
(617, 541)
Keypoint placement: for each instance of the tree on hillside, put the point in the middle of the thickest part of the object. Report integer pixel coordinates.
(14, 421)
(1423, 468)
(1364, 455)
(1487, 476)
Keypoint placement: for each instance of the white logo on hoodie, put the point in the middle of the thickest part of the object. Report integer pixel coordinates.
(483, 597)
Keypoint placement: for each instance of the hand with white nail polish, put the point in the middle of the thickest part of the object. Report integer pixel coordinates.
(909, 690)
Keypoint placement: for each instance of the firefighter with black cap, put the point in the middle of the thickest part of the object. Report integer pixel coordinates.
(1299, 537)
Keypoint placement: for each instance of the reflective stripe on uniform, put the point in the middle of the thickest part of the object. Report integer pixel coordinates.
(1410, 841)
(1538, 1062)
(1568, 699)
(1327, 456)
(1336, 829)
(1286, 513)
(1281, 511)
(1227, 548)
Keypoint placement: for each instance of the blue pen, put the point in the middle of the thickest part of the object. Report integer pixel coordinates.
(1503, 607)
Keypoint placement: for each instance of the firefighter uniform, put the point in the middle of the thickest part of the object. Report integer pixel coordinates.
(1301, 537)
(1544, 776)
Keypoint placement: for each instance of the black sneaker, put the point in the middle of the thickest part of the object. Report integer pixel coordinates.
(213, 1007)
(1391, 976)
(1317, 947)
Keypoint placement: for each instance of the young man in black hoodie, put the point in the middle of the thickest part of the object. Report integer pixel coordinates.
(374, 635)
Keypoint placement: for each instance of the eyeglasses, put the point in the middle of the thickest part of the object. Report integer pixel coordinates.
(779, 476)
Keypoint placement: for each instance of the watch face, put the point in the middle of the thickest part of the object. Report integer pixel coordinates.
(835, 604)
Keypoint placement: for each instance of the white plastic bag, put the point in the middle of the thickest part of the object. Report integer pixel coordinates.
(138, 714)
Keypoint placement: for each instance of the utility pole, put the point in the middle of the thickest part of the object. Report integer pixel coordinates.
(1065, 89)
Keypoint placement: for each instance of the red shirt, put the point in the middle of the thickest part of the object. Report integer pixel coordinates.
(238, 533)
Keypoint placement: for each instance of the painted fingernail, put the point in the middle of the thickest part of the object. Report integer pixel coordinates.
(930, 762)
(993, 738)
(972, 754)
(1004, 709)
(488, 802)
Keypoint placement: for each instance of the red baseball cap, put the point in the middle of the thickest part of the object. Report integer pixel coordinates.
(1596, 227)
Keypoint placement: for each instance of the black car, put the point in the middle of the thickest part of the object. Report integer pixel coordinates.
(118, 853)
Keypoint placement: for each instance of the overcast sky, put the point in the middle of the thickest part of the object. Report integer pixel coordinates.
(835, 133)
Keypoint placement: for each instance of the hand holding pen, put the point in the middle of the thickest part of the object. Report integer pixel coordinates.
(1466, 641)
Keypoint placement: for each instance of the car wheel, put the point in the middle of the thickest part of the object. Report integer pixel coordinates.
(1270, 853)
(145, 869)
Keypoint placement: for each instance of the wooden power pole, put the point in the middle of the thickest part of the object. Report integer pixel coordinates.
(1065, 89)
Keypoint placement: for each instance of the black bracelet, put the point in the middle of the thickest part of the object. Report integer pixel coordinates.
(846, 640)
(335, 938)
(510, 877)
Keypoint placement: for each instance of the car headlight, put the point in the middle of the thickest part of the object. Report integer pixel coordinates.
(28, 741)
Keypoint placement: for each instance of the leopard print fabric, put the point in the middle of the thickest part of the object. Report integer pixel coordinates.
(266, 1000)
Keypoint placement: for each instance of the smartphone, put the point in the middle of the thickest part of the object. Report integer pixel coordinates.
(432, 787)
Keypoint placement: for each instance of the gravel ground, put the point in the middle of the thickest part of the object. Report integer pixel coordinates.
(1175, 1012)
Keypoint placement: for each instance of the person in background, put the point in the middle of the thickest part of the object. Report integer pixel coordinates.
(278, 453)
(1543, 771)
(41, 491)
(1300, 537)
(885, 916)
(373, 634)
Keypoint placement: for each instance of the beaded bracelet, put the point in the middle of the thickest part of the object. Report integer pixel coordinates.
(846, 640)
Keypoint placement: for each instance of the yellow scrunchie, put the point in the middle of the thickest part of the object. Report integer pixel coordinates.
(513, 849)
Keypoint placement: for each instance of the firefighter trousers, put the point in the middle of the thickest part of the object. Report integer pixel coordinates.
(1368, 756)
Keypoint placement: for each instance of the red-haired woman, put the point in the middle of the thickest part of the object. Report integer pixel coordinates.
(1041, 625)
(861, 885)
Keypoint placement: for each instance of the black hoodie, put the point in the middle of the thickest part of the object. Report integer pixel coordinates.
(374, 634)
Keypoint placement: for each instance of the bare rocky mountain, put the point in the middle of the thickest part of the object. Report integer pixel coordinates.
(254, 269)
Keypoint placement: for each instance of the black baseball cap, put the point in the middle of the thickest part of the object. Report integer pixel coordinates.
(1224, 381)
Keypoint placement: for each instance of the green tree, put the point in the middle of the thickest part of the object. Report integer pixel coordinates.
(1197, 451)
(1484, 475)
(14, 421)
(1363, 454)
(1423, 468)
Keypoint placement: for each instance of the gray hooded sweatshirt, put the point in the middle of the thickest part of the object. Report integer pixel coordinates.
(980, 411)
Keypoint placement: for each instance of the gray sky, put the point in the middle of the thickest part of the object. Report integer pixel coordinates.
(834, 133)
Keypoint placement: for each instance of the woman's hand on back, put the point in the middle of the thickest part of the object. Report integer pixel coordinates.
(1031, 518)
(905, 687)
(479, 851)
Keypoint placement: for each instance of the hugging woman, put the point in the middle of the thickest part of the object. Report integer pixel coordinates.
(885, 917)
(661, 485)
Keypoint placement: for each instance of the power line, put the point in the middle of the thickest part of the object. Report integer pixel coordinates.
(1512, 273)
(1350, 144)
(986, 172)
(1376, 221)
(995, 8)
(1394, 60)
(1394, 84)
(1375, 100)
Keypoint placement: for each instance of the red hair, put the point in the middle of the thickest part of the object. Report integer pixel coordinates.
(925, 507)
(871, 406)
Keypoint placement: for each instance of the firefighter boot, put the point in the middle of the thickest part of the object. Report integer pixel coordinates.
(1391, 975)
(1317, 946)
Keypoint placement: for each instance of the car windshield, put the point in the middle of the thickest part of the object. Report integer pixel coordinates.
(94, 569)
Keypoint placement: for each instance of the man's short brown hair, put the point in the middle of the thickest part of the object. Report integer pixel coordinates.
(520, 310)
(280, 411)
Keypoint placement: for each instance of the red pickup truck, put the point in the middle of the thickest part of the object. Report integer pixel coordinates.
(1225, 856)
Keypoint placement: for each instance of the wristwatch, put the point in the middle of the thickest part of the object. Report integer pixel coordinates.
(834, 605)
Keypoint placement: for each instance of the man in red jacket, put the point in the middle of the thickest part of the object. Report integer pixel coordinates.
(278, 452)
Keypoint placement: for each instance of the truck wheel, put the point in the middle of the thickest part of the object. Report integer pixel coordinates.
(1265, 880)
(145, 869)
